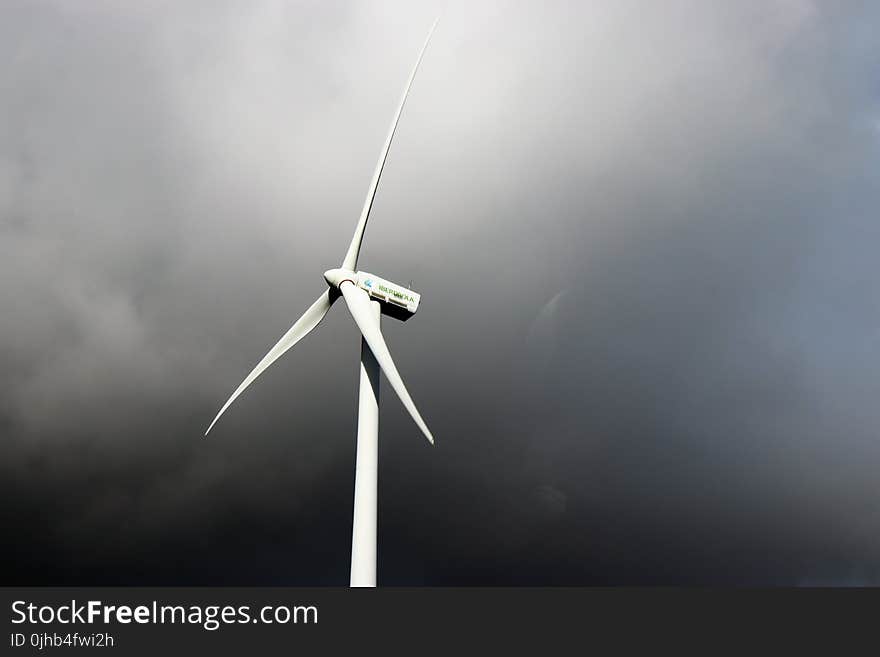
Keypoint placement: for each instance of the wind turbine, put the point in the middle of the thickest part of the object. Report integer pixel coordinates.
(367, 297)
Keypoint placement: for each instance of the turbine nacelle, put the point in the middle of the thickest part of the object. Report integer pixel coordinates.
(397, 301)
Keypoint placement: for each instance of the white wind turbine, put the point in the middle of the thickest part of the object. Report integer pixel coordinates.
(367, 297)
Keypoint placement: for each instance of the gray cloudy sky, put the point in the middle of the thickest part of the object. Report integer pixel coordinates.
(646, 239)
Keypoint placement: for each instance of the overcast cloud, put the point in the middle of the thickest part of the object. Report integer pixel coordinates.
(646, 239)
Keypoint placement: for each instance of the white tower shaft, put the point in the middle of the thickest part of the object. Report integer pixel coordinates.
(363, 534)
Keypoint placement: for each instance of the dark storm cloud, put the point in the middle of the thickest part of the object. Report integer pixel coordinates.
(645, 236)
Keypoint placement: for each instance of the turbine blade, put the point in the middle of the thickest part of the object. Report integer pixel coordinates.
(358, 303)
(351, 256)
(301, 328)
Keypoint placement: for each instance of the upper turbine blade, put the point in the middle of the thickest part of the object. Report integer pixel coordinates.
(351, 256)
(358, 303)
(297, 332)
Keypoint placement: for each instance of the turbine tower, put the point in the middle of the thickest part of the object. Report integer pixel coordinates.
(367, 297)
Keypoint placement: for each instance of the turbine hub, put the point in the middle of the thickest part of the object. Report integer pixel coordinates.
(335, 277)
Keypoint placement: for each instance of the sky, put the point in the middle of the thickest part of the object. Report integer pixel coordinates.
(645, 237)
